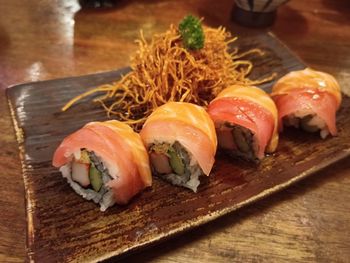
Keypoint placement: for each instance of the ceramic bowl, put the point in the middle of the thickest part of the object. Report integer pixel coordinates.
(256, 13)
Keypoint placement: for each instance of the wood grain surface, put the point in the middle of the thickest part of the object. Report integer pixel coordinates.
(63, 226)
(49, 39)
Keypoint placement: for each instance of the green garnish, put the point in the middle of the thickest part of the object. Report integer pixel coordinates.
(176, 162)
(192, 32)
(95, 177)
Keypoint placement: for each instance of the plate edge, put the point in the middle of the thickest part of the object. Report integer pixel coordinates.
(28, 205)
(214, 215)
(206, 219)
(122, 70)
(286, 47)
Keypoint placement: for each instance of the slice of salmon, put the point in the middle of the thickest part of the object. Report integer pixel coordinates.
(125, 161)
(135, 144)
(308, 79)
(251, 108)
(246, 114)
(186, 123)
(323, 104)
(308, 90)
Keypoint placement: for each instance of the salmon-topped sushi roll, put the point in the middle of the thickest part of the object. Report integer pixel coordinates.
(181, 142)
(308, 99)
(245, 119)
(105, 162)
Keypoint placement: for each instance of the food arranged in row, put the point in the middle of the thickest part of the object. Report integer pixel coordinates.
(187, 89)
(108, 162)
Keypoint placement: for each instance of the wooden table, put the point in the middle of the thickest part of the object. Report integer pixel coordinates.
(49, 39)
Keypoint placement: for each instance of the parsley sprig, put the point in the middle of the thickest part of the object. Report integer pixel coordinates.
(191, 32)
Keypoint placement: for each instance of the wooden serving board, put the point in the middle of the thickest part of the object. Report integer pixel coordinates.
(63, 227)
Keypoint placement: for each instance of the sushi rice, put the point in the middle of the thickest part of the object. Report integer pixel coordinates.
(190, 178)
(308, 121)
(104, 197)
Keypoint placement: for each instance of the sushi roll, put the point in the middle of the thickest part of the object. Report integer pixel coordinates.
(105, 162)
(181, 142)
(246, 122)
(308, 99)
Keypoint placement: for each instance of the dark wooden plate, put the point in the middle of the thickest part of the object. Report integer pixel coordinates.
(64, 227)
